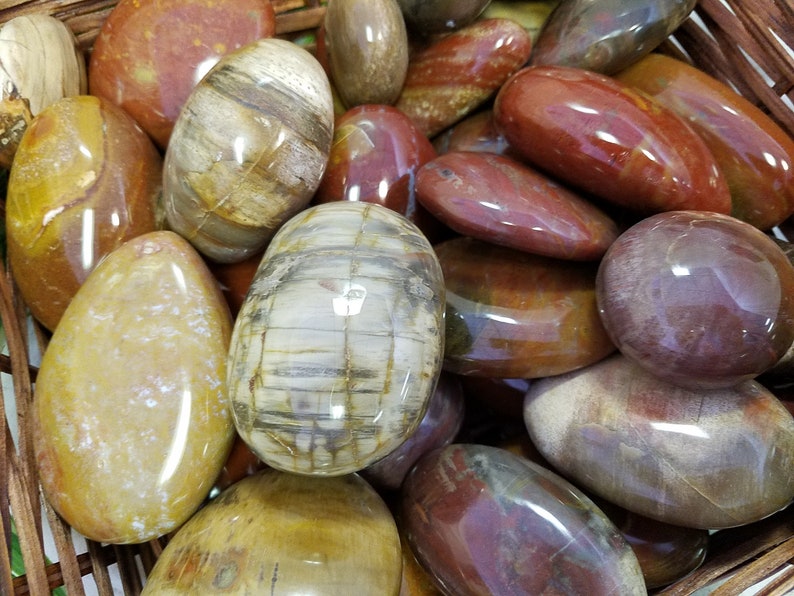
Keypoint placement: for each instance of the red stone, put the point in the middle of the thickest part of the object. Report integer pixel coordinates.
(449, 78)
(500, 200)
(596, 134)
(476, 132)
(375, 155)
(150, 53)
(755, 154)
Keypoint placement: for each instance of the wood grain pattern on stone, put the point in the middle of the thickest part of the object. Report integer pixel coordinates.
(249, 148)
(704, 459)
(512, 314)
(84, 180)
(367, 46)
(451, 77)
(337, 348)
(278, 533)
(601, 137)
(485, 521)
(131, 413)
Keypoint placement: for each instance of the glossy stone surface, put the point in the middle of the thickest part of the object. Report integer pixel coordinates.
(249, 148)
(485, 521)
(698, 299)
(755, 155)
(606, 35)
(438, 428)
(452, 76)
(426, 17)
(513, 314)
(500, 200)
(689, 457)
(375, 155)
(84, 180)
(149, 54)
(530, 14)
(666, 553)
(131, 413)
(476, 132)
(599, 136)
(277, 533)
(338, 346)
(367, 46)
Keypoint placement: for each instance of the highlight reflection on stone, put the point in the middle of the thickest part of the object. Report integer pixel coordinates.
(695, 458)
(338, 345)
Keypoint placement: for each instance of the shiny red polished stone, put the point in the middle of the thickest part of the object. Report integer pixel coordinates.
(601, 137)
(698, 299)
(500, 200)
(150, 53)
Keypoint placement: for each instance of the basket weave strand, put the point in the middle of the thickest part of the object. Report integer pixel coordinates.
(745, 43)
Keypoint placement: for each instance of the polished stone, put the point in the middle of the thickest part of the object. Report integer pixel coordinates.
(84, 180)
(278, 533)
(338, 346)
(696, 458)
(512, 314)
(131, 413)
(503, 201)
(599, 136)
(427, 17)
(484, 521)
(699, 299)
(476, 132)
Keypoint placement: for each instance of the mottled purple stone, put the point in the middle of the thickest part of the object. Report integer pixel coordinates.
(698, 299)
(483, 520)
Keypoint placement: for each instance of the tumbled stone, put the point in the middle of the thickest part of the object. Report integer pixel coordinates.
(512, 314)
(278, 533)
(698, 299)
(690, 457)
(338, 346)
(131, 414)
(484, 521)
(426, 17)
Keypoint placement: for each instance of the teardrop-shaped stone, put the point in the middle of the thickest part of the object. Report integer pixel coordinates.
(338, 346)
(278, 533)
(695, 458)
(485, 521)
(131, 416)
(512, 314)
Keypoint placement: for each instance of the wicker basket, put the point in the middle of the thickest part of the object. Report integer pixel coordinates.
(741, 42)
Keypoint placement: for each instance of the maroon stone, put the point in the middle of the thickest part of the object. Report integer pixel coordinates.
(497, 199)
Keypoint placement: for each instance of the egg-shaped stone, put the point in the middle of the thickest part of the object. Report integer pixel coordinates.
(248, 149)
(131, 417)
(337, 347)
(367, 47)
(85, 179)
(278, 533)
(698, 458)
(484, 521)
(426, 17)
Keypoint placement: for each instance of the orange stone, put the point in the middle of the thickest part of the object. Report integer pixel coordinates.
(132, 423)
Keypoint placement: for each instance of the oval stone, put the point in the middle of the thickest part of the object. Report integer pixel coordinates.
(606, 35)
(337, 348)
(511, 314)
(752, 151)
(500, 200)
(149, 54)
(426, 17)
(452, 76)
(277, 533)
(248, 149)
(485, 521)
(690, 457)
(698, 299)
(367, 48)
(599, 136)
(476, 132)
(84, 180)
(131, 413)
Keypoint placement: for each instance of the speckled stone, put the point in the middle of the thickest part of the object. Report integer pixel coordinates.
(131, 418)
(337, 348)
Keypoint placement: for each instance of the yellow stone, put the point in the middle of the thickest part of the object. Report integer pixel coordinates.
(131, 412)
